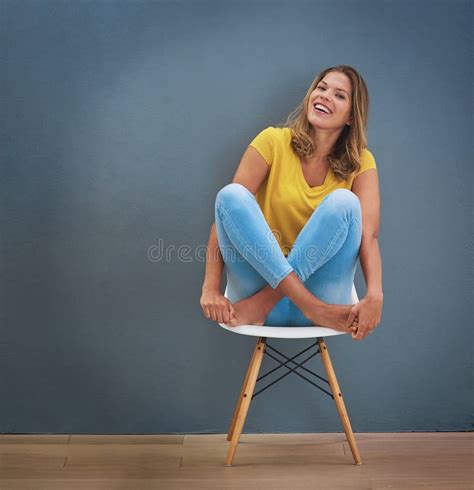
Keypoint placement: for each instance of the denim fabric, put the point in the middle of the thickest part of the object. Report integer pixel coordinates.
(324, 255)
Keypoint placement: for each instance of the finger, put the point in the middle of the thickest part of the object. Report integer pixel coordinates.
(363, 325)
(212, 311)
(206, 312)
(350, 318)
(219, 313)
(353, 315)
(226, 315)
(356, 334)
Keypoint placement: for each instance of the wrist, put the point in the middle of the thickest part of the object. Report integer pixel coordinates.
(374, 295)
(210, 286)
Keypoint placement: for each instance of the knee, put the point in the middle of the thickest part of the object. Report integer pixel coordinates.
(231, 195)
(343, 200)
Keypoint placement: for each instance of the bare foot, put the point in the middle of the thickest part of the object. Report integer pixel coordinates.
(334, 316)
(248, 311)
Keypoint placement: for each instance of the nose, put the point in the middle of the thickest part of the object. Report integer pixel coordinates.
(324, 97)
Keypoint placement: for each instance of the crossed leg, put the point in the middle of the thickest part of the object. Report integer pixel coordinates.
(323, 259)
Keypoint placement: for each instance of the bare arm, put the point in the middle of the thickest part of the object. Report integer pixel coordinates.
(214, 263)
(369, 309)
(366, 187)
(371, 264)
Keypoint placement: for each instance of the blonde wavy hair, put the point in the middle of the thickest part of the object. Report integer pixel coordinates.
(344, 157)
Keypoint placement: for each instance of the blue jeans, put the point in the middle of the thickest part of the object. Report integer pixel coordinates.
(324, 254)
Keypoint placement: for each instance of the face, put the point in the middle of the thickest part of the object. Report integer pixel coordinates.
(333, 91)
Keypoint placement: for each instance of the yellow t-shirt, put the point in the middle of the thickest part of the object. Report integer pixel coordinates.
(286, 199)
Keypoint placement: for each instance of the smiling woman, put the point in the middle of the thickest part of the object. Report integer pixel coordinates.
(290, 227)
(338, 135)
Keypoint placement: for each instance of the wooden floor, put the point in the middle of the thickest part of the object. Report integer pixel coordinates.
(441, 460)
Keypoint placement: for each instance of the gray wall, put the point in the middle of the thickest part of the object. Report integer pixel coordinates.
(120, 122)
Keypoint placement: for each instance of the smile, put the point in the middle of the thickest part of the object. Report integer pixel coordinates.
(321, 112)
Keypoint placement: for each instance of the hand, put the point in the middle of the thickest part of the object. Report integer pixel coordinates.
(216, 306)
(365, 316)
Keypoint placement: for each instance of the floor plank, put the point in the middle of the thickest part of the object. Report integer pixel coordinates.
(127, 439)
(33, 439)
(420, 483)
(263, 461)
(154, 484)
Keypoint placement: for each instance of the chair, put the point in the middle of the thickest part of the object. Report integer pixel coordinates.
(262, 347)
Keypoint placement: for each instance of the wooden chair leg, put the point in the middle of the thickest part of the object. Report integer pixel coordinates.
(336, 391)
(242, 391)
(244, 403)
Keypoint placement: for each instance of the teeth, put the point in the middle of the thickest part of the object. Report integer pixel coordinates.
(320, 106)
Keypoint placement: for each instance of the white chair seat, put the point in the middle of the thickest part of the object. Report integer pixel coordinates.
(287, 332)
(283, 332)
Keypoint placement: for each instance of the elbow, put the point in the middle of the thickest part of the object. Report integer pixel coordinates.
(370, 235)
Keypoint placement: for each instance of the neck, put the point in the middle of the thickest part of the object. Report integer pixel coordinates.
(324, 141)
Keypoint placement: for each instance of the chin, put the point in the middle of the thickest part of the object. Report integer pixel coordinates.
(323, 124)
(319, 124)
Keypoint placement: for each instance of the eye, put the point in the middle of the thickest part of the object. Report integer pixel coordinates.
(322, 88)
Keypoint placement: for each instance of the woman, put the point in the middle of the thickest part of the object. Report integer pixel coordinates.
(303, 206)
